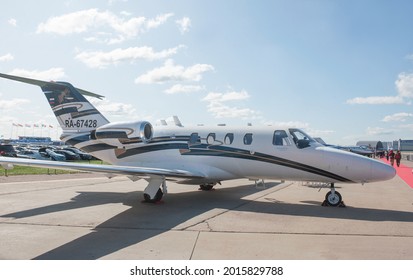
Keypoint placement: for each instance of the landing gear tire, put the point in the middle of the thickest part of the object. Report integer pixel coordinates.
(157, 197)
(206, 187)
(333, 199)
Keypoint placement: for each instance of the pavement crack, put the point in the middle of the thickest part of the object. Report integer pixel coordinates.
(195, 243)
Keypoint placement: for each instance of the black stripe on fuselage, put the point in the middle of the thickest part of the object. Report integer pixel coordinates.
(88, 148)
(74, 113)
(152, 148)
(65, 110)
(222, 151)
(217, 151)
(85, 113)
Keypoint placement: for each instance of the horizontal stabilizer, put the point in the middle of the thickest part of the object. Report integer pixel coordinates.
(44, 83)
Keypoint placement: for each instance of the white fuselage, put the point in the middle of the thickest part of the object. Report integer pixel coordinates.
(224, 153)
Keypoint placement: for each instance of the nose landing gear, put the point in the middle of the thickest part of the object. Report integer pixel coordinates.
(333, 198)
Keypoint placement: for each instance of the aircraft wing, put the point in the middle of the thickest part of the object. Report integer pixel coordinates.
(8, 162)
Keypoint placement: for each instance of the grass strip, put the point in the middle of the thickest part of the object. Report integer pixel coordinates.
(28, 170)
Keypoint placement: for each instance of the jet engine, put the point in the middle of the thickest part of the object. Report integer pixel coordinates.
(122, 134)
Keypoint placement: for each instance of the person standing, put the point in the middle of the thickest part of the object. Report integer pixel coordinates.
(398, 158)
(391, 155)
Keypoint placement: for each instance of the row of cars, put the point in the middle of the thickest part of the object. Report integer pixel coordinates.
(44, 153)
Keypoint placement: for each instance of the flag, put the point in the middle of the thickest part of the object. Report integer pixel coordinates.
(51, 126)
(15, 124)
(19, 125)
(27, 125)
(36, 125)
(43, 125)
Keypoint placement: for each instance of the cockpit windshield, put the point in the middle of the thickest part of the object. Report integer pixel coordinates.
(301, 139)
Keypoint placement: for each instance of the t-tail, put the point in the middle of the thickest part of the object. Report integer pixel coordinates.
(73, 111)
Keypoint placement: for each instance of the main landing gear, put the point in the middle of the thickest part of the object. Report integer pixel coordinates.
(157, 198)
(207, 187)
(333, 198)
(153, 193)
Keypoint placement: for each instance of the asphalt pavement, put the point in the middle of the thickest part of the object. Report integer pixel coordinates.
(87, 216)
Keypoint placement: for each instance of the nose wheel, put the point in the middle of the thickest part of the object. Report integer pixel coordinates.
(333, 198)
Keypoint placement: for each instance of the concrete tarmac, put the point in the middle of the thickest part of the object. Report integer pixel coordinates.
(87, 216)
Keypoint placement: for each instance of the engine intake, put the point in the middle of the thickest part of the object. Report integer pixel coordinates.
(124, 133)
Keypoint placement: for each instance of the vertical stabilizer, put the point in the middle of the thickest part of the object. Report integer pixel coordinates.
(72, 110)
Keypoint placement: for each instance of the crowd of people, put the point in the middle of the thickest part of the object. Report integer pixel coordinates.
(392, 156)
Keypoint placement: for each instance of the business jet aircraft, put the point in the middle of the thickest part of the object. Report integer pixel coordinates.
(201, 156)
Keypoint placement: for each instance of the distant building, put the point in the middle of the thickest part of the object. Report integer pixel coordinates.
(375, 145)
(34, 140)
(403, 145)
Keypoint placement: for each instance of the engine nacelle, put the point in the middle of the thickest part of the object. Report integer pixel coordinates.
(122, 134)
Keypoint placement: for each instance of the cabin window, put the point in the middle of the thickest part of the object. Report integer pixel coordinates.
(211, 138)
(301, 139)
(229, 138)
(248, 139)
(280, 138)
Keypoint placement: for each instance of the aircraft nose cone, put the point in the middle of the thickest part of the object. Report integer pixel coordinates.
(381, 171)
(356, 168)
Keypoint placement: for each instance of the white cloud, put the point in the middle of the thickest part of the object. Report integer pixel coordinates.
(229, 96)
(51, 74)
(112, 2)
(179, 88)
(375, 131)
(406, 127)
(110, 108)
(319, 132)
(118, 111)
(7, 119)
(101, 59)
(175, 73)
(76, 22)
(12, 104)
(219, 109)
(398, 117)
(184, 24)
(126, 13)
(290, 124)
(404, 87)
(159, 20)
(12, 22)
(377, 100)
(6, 57)
(92, 20)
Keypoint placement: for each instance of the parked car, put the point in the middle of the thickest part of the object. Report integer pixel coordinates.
(26, 153)
(55, 156)
(49, 153)
(69, 155)
(83, 155)
(7, 150)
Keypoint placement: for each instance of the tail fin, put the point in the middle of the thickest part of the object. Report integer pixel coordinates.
(72, 110)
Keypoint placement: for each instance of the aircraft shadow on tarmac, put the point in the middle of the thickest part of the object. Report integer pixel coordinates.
(143, 221)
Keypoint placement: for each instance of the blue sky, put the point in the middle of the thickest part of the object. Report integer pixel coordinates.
(341, 70)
